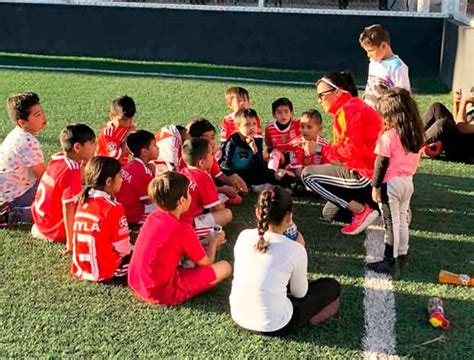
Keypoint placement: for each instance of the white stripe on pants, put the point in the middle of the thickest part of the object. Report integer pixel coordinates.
(399, 191)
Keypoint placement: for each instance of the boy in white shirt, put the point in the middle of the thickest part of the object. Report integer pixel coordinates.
(21, 158)
(386, 70)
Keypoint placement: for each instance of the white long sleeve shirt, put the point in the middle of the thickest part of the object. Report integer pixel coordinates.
(258, 300)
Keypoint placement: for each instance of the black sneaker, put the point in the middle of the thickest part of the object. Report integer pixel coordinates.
(403, 260)
(386, 266)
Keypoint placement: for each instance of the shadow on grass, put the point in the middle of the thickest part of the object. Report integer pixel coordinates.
(429, 85)
(441, 204)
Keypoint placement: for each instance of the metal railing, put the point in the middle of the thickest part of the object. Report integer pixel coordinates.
(461, 10)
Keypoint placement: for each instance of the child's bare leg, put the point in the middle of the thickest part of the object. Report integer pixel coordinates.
(222, 217)
(222, 270)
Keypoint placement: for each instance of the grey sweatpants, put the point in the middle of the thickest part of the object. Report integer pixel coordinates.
(396, 195)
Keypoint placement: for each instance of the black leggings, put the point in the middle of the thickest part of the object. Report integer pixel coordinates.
(321, 293)
(439, 125)
(338, 184)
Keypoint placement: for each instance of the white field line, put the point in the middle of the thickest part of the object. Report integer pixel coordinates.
(156, 74)
(379, 340)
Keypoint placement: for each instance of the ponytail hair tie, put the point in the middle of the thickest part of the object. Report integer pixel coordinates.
(272, 194)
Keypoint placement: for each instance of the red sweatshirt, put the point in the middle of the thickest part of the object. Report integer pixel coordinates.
(356, 128)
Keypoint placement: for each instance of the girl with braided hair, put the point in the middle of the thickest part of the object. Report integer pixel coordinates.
(270, 291)
(101, 241)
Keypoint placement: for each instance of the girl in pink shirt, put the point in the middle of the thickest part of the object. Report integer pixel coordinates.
(398, 154)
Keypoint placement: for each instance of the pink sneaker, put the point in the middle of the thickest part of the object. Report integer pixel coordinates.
(361, 221)
(331, 310)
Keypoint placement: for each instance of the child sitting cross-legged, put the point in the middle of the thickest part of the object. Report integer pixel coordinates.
(270, 292)
(101, 242)
(230, 186)
(136, 176)
(283, 139)
(206, 210)
(311, 124)
(21, 159)
(242, 153)
(56, 197)
(164, 239)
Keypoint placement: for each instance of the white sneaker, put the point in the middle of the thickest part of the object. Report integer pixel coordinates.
(37, 234)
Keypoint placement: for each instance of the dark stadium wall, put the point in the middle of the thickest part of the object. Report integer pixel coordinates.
(457, 59)
(276, 40)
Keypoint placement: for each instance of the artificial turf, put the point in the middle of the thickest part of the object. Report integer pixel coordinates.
(47, 313)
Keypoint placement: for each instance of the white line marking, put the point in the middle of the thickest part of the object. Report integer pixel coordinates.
(379, 340)
(157, 74)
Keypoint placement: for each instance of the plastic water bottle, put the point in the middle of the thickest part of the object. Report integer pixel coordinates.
(292, 232)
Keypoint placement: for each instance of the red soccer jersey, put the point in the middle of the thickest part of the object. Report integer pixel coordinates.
(133, 194)
(319, 158)
(287, 141)
(215, 171)
(60, 184)
(100, 237)
(228, 127)
(110, 142)
(169, 141)
(203, 192)
(153, 273)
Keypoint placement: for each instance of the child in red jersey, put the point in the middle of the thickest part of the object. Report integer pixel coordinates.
(197, 154)
(170, 140)
(111, 139)
(236, 98)
(101, 241)
(136, 176)
(55, 200)
(164, 240)
(228, 185)
(283, 139)
(313, 145)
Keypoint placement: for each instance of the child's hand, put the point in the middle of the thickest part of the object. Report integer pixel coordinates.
(265, 155)
(218, 239)
(282, 172)
(238, 183)
(376, 195)
(457, 95)
(300, 239)
(65, 251)
(469, 100)
(228, 190)
(251, 142)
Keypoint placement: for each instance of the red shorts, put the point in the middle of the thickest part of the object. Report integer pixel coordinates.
(193, 282)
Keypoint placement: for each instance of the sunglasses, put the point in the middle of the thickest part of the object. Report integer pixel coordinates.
(325, 93)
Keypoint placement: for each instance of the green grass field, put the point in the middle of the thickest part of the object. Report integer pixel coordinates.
(47, 313)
